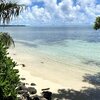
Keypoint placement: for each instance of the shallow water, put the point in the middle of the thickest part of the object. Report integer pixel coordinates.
(78, 45)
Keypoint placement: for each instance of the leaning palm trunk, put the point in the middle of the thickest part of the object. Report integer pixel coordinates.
(6, 39)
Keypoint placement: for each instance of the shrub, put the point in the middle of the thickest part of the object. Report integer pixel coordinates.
(9, 78)
(97, 23)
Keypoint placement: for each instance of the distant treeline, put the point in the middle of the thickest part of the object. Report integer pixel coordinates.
(12, 25)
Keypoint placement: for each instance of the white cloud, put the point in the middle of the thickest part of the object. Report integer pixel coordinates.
(63, 13)
(26, 2)
(97, 10)
(85, 3)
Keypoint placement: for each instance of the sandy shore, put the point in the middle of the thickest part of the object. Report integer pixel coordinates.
(47, 73)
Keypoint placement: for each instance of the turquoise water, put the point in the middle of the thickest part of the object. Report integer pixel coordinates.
(74, 43)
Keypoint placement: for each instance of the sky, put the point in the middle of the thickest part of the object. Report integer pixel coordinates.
(58, 12)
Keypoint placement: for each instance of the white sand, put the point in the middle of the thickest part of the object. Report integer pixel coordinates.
(47, 73)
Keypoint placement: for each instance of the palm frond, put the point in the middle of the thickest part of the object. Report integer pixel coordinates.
(8, 11)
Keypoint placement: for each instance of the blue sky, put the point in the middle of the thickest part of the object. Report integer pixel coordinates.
(58, 12)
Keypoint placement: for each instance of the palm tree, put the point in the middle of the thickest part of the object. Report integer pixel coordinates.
(97, 23)
(9, 78)
(8, 11)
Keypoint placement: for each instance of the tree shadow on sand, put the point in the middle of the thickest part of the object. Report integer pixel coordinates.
(92, 79)
(84, 94)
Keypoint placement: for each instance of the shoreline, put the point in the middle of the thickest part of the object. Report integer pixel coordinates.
(40, 83)
(40, 70)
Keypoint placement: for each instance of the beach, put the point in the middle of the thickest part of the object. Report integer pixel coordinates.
(50, 50)
(48, 73)
(56, 57)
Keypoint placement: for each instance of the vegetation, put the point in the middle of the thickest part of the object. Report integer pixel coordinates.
(8, 10)
(6, 39)
(9, 77)
(97, 23)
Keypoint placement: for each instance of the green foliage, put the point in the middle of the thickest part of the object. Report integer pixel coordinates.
(6, 39)
(9, 78)
(97, 23)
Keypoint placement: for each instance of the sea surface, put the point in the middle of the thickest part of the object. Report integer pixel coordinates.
(76, 44)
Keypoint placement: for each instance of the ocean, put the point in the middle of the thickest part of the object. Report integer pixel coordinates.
(62, 55)
(78, 45)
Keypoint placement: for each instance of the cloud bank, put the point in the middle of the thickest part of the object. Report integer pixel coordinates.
(58, 12)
